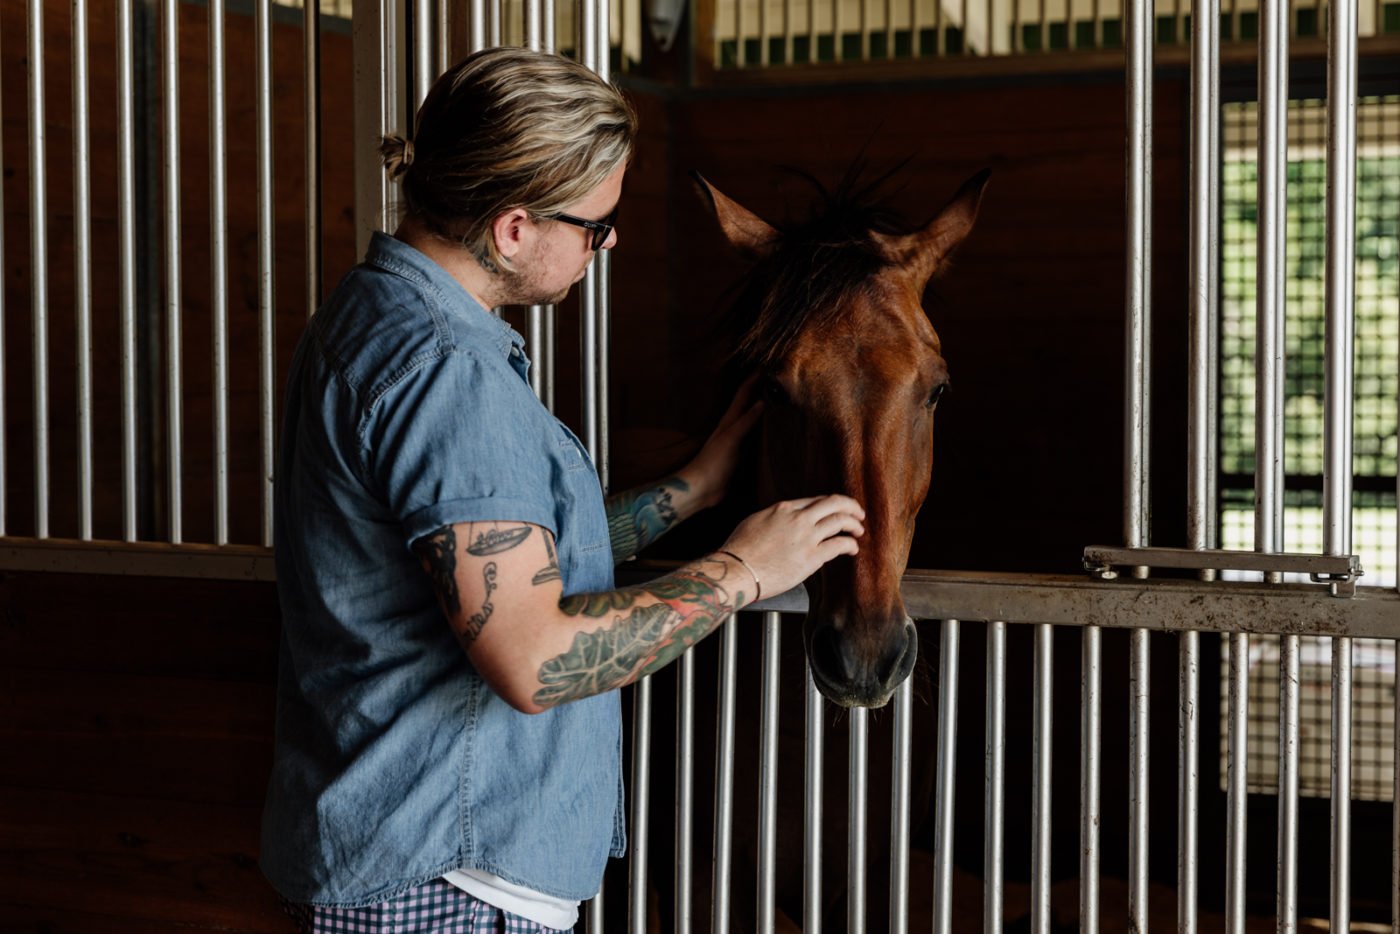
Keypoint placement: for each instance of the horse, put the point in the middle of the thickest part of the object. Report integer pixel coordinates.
(851, 371)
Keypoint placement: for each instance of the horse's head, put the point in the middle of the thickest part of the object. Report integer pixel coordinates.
(851, 372)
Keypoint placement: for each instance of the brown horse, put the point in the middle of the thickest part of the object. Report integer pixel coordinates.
(852, 371)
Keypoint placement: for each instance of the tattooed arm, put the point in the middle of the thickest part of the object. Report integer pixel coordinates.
(499, 585)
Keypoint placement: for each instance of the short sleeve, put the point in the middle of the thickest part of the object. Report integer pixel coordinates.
(460, 439)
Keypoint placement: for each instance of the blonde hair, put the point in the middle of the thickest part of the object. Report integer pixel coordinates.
(508, 128)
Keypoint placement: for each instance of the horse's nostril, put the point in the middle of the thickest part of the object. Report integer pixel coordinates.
(899, 659)
(827, 656)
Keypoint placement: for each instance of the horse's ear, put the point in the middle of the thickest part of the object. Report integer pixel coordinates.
(923, 251)
(748, 233)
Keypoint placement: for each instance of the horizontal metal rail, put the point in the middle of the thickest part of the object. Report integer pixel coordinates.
(1338, 570)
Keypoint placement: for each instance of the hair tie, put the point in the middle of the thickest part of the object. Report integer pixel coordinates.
(396, 152)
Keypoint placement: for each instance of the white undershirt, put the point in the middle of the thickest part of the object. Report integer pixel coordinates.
(558, 913)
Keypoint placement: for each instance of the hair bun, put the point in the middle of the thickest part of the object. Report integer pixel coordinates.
(396, 153)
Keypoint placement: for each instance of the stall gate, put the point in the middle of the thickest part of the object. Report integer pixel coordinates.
(397, 50)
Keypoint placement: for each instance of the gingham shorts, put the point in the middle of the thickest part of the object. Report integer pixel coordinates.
(435, 908)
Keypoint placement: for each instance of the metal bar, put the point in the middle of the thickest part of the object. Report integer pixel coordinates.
(685, 792)
(423, 50)
(864, 18)
(947, 778)
(534, 24)
(763, 32)
(1288, 752)
(476, 26)
(1139, 686)
(1089, 746)
(495, 23)
(641, 807)
(39, 263)
(311, 60)
(1341, 780)
(1138, 353)
(1043, 24)
(741, 57)
(267, 340)
(724, 780)
(812, 55)
(1041, 797)
(4, 407)
(534, 337)
(837, 52)
(768, 775)
(1322, 566)
(994, 816)
(1272, 225)
(444, 36)
(82, 262)
(590, 24)
(596, 918)
(1205, 244)
(1188, 779)
(1017, 39)
(1098, 24)
(604, 285)
(889, 29)
(551, 41)
(857, 800)
(126, 252)
(914, 45)
(788, 31)
(174, 378)
(814, 754)
(899, 807)
(218, 264)
(1237, 784)
(143, 559)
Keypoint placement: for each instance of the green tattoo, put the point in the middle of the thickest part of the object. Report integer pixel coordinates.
(639, 517)
(438, 552)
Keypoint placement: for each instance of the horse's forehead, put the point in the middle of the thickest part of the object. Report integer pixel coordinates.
(883, 334)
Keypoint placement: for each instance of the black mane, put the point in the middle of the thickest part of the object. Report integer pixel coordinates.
(814, 270)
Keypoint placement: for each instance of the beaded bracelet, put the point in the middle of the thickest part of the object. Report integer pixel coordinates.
(757, 587)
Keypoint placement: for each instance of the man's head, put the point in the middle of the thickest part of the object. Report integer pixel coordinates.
(516, 135)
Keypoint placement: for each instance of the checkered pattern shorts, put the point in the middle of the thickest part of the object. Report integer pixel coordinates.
(435, 908)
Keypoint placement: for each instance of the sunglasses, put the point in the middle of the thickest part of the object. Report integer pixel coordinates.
(601, 229)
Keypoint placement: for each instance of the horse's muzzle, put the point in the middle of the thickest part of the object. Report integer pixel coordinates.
(852, 675)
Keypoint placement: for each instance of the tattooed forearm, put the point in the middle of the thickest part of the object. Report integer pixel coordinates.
(639, 517)
(494, 541)
(477, 621)
(550, 572)
(438, 552)
(662, 619)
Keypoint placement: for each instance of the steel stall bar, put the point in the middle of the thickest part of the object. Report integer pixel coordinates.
(1091, 724)
(82, 262)
(311, 61)
(39, 263)
(267, 338)
(423, 54)
(126, 252)
(1041, 798)
(170, 163)
(1237, 783)
(1288, 781)
(641, 806)
(813, 757)
(218, 264)
(993, 818)
(724, 779)
(947, 777)
(4, 408)
(1138, 748)
(899, 807)
(767, 883)
(1188, 779)
(478, 35)
(443, 13)
(685, 791)
(857, 799)
(541, 374)
(1340, 312)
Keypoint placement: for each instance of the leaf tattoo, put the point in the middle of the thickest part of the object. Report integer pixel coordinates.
(438, 552)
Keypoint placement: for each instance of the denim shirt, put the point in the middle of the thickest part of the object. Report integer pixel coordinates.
(408, 409)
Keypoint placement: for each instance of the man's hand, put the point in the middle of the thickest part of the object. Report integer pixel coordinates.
(786, 543)
(709, 473)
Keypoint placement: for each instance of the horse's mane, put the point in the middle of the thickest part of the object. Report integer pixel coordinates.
(816, 267)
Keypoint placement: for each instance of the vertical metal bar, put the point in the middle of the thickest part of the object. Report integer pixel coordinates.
(685, 791)
(947, 778)
(1089, 746)
(1188, 779)
(857, 800)
(423, 50)
(444, 37)
(1041, 798)
(914, 45)
(126, 251)
(1341, 780)
(1288, 753)
(724, 780)
(174, 378)
(534, 24)
(82, 263)
(311, 60)
(864, 8)
(218, 264)
(1098, 24)
(812, 809)
(39, 264)
(1237, 783)
(763, 32)
(495, 23)
(596, 917)
(589, 27)
(641, 806)
(889, 28)
(1272, 225)
(995, 784)
(476, 26)
(1043, 24)
(788, 30)
(4, 407)
(899, 807)
(267, 339)
(837, 53)
(550, 37)
(812, 30)
(1139, 686)
(603, 262)
(1017, 40)
(768, 775)
(1138, 287)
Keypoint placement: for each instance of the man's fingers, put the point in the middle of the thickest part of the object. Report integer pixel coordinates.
(839, 523)
(821, 506)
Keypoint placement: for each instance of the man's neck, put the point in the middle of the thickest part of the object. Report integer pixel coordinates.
(454, 258)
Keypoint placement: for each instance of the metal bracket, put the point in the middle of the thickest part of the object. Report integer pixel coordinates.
(1339, 572)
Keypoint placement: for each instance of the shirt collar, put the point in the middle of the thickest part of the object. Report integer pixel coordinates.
(393, 255)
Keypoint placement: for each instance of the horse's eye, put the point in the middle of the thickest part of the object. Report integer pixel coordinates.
(773, 391)
(937, 394)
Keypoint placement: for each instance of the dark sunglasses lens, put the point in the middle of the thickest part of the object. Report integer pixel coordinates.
(600, 235)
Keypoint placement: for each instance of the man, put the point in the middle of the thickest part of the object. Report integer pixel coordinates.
(468, 774)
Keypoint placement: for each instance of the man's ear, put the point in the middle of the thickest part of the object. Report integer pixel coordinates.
(510, 230)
